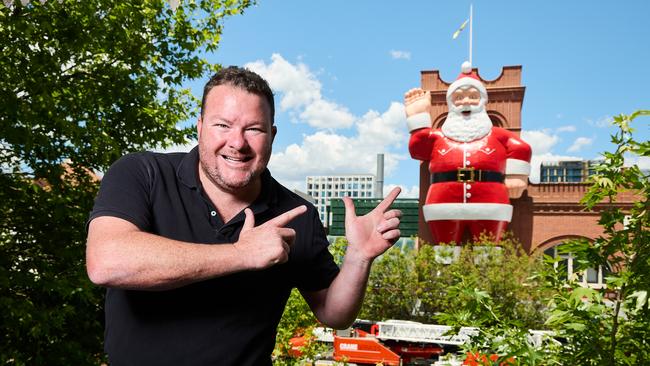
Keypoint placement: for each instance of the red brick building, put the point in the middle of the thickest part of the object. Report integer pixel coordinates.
(547, 214)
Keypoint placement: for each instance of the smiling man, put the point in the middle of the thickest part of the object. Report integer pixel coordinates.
(199, 251)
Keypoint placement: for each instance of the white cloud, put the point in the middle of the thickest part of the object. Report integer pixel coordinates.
(541, 141)
(298, 86)
(301, 94)
(602, 122)
(579, 143)
(323, 152)
(323, 114)
(404, 55)
(643, 162)
(569, 128)
(412, 192)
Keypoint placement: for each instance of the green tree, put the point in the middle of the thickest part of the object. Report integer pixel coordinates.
(83, 82)
(391, 290)
(422, 286)
(490, 283)
(611, 326)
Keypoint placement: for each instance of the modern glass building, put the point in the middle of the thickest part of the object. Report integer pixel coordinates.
(577, 171)
(325, 187)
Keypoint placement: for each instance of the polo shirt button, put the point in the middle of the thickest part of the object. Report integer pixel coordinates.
(213, 213)
(467, 162)
(468, 195)
(468, 154)
(468, 186)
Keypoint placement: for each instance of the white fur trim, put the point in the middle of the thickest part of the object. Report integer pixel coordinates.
(467, 211)
(420, 120)
(516, 166)
(467, 81)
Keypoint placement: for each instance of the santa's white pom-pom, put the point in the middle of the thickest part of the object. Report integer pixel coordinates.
(466, 68)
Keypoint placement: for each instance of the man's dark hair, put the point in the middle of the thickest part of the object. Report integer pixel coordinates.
(241, 78)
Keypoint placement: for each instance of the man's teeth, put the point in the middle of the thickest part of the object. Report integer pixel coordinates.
(237, 160)
(234, 159)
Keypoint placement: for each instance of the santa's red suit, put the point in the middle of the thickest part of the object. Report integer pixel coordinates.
(467, 190)
(467, 202)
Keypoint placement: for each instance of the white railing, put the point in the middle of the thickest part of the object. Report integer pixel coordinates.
(401, 330)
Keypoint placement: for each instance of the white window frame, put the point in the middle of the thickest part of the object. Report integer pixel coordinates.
(581, 277)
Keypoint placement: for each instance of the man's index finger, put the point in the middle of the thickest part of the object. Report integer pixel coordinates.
(385, 204)
(285, 218)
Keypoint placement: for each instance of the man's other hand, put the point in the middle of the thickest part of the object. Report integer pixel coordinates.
(372, 234)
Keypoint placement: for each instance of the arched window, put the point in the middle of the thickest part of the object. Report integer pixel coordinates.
(592, 277)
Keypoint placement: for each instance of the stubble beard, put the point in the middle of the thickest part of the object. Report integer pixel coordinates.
(222, 183)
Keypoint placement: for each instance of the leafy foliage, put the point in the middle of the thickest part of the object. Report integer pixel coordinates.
(83, 83)
(594, 326)
(417, 285)
(611, 326)
(423, 286)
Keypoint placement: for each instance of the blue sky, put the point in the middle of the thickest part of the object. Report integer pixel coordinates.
(339, 70)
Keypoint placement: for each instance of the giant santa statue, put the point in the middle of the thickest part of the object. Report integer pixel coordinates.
(475, 167)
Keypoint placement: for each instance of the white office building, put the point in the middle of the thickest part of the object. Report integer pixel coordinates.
(324, 187)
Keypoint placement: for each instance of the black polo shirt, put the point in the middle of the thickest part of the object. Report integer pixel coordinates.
(229, 320)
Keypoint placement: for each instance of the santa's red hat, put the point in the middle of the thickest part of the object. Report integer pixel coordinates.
(468, 78)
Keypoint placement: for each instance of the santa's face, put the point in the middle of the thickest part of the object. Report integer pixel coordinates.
(467, 119)
(465, 98)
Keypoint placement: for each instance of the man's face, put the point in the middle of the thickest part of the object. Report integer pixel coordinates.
(235, 137)
(465, 98)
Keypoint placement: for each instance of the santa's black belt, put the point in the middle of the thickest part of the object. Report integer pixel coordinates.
(467, 175)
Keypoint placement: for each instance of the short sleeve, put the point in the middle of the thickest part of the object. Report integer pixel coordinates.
(124, 191)
(317, 269)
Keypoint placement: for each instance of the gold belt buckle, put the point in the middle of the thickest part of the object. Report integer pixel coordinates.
(460, 175)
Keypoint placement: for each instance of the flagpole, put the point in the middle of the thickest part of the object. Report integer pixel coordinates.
(470, 34)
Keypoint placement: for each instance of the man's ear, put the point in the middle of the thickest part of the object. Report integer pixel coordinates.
(274, 131)
(199, 125)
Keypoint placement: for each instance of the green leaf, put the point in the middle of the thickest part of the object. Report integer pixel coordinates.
(641, 298)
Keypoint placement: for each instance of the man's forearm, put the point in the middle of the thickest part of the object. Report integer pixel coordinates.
(134, 259)
(339, 305)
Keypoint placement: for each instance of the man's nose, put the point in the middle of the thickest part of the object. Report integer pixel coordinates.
(237, 139)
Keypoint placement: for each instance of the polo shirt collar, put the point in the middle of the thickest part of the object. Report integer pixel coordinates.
(187, 171)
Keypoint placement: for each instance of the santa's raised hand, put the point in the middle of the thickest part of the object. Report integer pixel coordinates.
(372, 234)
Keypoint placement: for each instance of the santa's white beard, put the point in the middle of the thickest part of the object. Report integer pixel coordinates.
(464, 129)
